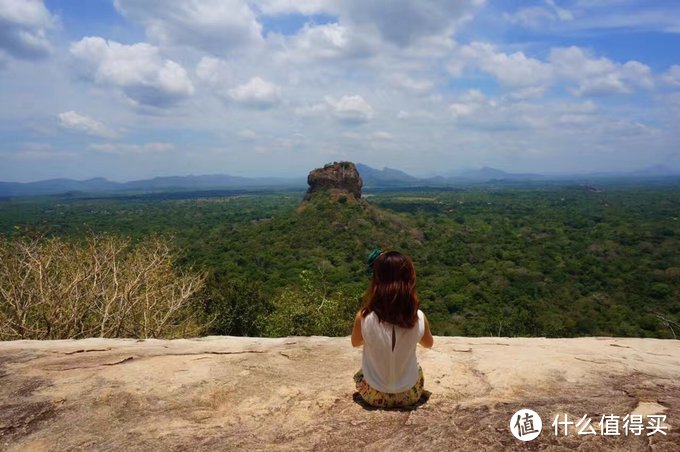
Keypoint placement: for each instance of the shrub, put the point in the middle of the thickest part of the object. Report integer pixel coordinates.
(312, 309)
(104, 286)
(234, 307)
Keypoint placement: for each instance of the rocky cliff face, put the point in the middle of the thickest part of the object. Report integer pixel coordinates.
(335, 177)
(296, 393)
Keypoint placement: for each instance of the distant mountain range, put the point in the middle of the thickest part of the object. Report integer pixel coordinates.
(99, 184)
(487, 174)
(385, 177)
(392, 177)
(372, 178)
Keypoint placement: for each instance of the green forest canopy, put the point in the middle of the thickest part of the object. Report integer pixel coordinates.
(539, 261)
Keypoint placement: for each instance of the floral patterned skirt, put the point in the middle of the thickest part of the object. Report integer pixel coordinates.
(387, 399)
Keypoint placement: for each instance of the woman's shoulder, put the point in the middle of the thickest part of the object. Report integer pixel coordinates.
(371, 317)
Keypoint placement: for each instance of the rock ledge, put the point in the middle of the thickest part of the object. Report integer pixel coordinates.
(336, 176)
(296, 393)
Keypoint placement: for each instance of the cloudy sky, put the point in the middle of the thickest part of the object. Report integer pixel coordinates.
(129, 89)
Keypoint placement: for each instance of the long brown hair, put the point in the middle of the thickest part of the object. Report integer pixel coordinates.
(392, 294)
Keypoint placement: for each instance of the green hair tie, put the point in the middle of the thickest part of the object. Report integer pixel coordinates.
(372, 256)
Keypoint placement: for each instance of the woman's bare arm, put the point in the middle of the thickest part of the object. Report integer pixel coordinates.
(427, 340)
(357, 338)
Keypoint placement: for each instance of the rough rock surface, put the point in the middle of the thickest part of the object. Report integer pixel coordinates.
(337, 176)
(296, 393)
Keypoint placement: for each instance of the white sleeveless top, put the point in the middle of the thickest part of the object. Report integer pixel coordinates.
(385, 369)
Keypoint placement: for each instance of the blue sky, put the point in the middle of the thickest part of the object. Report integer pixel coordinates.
(129, 89)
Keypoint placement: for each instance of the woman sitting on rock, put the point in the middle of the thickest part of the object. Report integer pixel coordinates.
(389, 326)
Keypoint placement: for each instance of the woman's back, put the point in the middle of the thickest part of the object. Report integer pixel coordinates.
(389, 326)
(389, 357)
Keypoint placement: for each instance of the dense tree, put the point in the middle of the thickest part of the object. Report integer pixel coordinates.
(545, 260)
(234, 307)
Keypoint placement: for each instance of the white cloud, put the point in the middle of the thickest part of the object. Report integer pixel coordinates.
(256, 93)
(561, 13)
(583, 73)
(672, 76)
(382, 135)
(414, 115)
(598, 76)
(138, 70)
(220, 76)
(404, 23)
(74, 121)
(469, 104)
(350, 109)
(40, 151)
(461, 110)
(356, 65)
(538, 16)
(247, 134)
(580, 15)
(514, 69)
(530, 92)
(120, 148)
(215, 26)
(364, 32)
(329, 41)
(577, 114)
(311, 110)
(580, 107)
(306, 7)
(417, 86)
(211, 70)
(24, 25)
